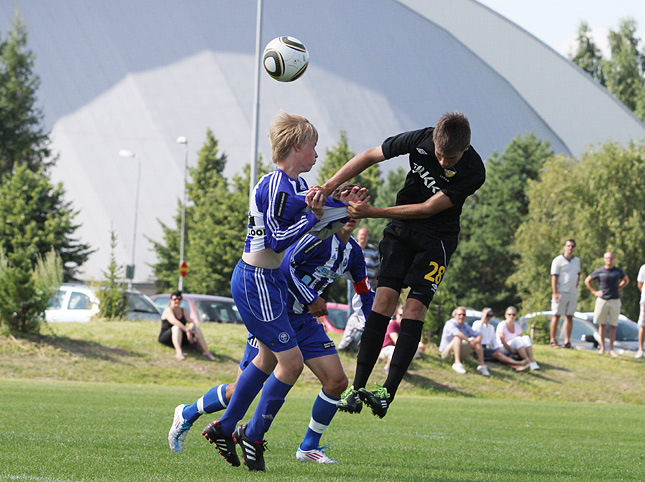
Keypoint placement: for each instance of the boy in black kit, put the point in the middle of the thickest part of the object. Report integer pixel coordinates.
(417, 243)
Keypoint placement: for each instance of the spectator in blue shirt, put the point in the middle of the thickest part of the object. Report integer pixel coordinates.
(460, 340)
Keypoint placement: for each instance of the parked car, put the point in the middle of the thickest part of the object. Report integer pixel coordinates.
(79, 303)
(473, 315)
(204, 308)
(336, 320)
(585, 336)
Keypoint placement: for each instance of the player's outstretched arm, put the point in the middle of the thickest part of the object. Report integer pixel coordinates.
(353, 167)
(437, 203)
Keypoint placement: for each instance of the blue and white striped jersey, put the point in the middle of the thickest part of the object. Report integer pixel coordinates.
(278, 213)
(312, 264)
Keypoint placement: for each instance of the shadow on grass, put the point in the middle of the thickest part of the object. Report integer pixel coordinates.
(84, 348)
(420, 381)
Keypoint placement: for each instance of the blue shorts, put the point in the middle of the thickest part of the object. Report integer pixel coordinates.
(260, 296)
(312, 340)
(489, 352)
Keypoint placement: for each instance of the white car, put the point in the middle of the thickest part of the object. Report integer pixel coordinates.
(79, 303)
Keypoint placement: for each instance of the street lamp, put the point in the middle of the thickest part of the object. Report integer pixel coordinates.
(184, 141)
(129, 272)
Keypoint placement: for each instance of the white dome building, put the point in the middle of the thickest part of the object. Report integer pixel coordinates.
(137, 74)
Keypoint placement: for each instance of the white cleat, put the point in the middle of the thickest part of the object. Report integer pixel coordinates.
(534, 366)
(483, 370)
(179, 430)
(315, 455)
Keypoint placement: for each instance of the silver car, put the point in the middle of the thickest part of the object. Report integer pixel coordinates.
(204, 308)
(585, 336)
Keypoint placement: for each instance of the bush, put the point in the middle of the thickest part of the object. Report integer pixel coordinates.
(25, 290)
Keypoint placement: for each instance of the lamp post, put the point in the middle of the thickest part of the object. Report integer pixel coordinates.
(129, 272)
(182, 244)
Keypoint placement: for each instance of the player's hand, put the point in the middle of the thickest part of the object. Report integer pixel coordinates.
(359, 210)
(315, 199)
(355, 194)
(318, 307)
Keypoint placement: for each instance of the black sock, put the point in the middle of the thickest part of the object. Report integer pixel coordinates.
(404, 351)
(370, 347)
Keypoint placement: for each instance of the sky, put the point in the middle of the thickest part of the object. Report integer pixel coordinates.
(556, 22)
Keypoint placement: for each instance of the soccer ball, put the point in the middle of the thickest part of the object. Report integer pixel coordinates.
(285, 59)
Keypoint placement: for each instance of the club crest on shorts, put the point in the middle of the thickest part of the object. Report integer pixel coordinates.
(284, 337)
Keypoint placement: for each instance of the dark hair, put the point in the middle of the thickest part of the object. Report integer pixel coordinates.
(176, 294)
(571, 240)
(451, 136)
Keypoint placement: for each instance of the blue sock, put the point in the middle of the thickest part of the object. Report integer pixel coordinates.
(248, 386)
(271, 400)
(212, 401)
(323, 411)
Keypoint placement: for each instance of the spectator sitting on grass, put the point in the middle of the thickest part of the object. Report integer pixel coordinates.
(489, 343)
(460, 340)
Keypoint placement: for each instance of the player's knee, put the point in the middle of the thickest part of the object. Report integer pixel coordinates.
(336, 385)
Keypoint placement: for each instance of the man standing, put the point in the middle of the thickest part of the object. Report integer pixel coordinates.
(565, 275)
(611, 279)
(640, 279)
(371, 254)
(417, 244)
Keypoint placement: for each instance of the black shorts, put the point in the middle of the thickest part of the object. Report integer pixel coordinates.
(165, 337)
(415, 259)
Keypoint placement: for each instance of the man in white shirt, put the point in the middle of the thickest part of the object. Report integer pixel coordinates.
(565, 275)
(640, 279)
(489, 342)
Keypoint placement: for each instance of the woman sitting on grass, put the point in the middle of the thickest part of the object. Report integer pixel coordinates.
(178, 330)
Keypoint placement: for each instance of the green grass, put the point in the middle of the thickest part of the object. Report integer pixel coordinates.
(94, 402)
(72, 431)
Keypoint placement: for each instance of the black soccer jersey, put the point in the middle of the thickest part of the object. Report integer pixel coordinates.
(426, 177)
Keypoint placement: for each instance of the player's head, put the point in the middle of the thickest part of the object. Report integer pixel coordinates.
(451, 138)
(287, 131)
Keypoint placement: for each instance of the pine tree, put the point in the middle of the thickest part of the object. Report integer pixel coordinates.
(216, 220)
(37, 219)
(588, 56)
(22, 138)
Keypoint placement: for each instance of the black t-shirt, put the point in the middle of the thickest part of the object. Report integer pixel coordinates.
(608, 281)
(426, 177)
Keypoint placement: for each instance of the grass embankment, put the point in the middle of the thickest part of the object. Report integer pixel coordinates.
(128, 352)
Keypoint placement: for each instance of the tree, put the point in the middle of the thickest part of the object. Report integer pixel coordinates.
(598, 200)
(337, 157)
(215, 225)
(624, 72)
(206, 174)
(588, 56)
(112, 300)
(37, 219)
(26, 287)
(485, 258)
(22, 138)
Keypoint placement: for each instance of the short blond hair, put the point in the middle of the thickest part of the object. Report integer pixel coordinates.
(451, 136)
(287, 131)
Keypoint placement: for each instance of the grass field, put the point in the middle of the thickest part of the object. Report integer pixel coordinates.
(94, 402)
